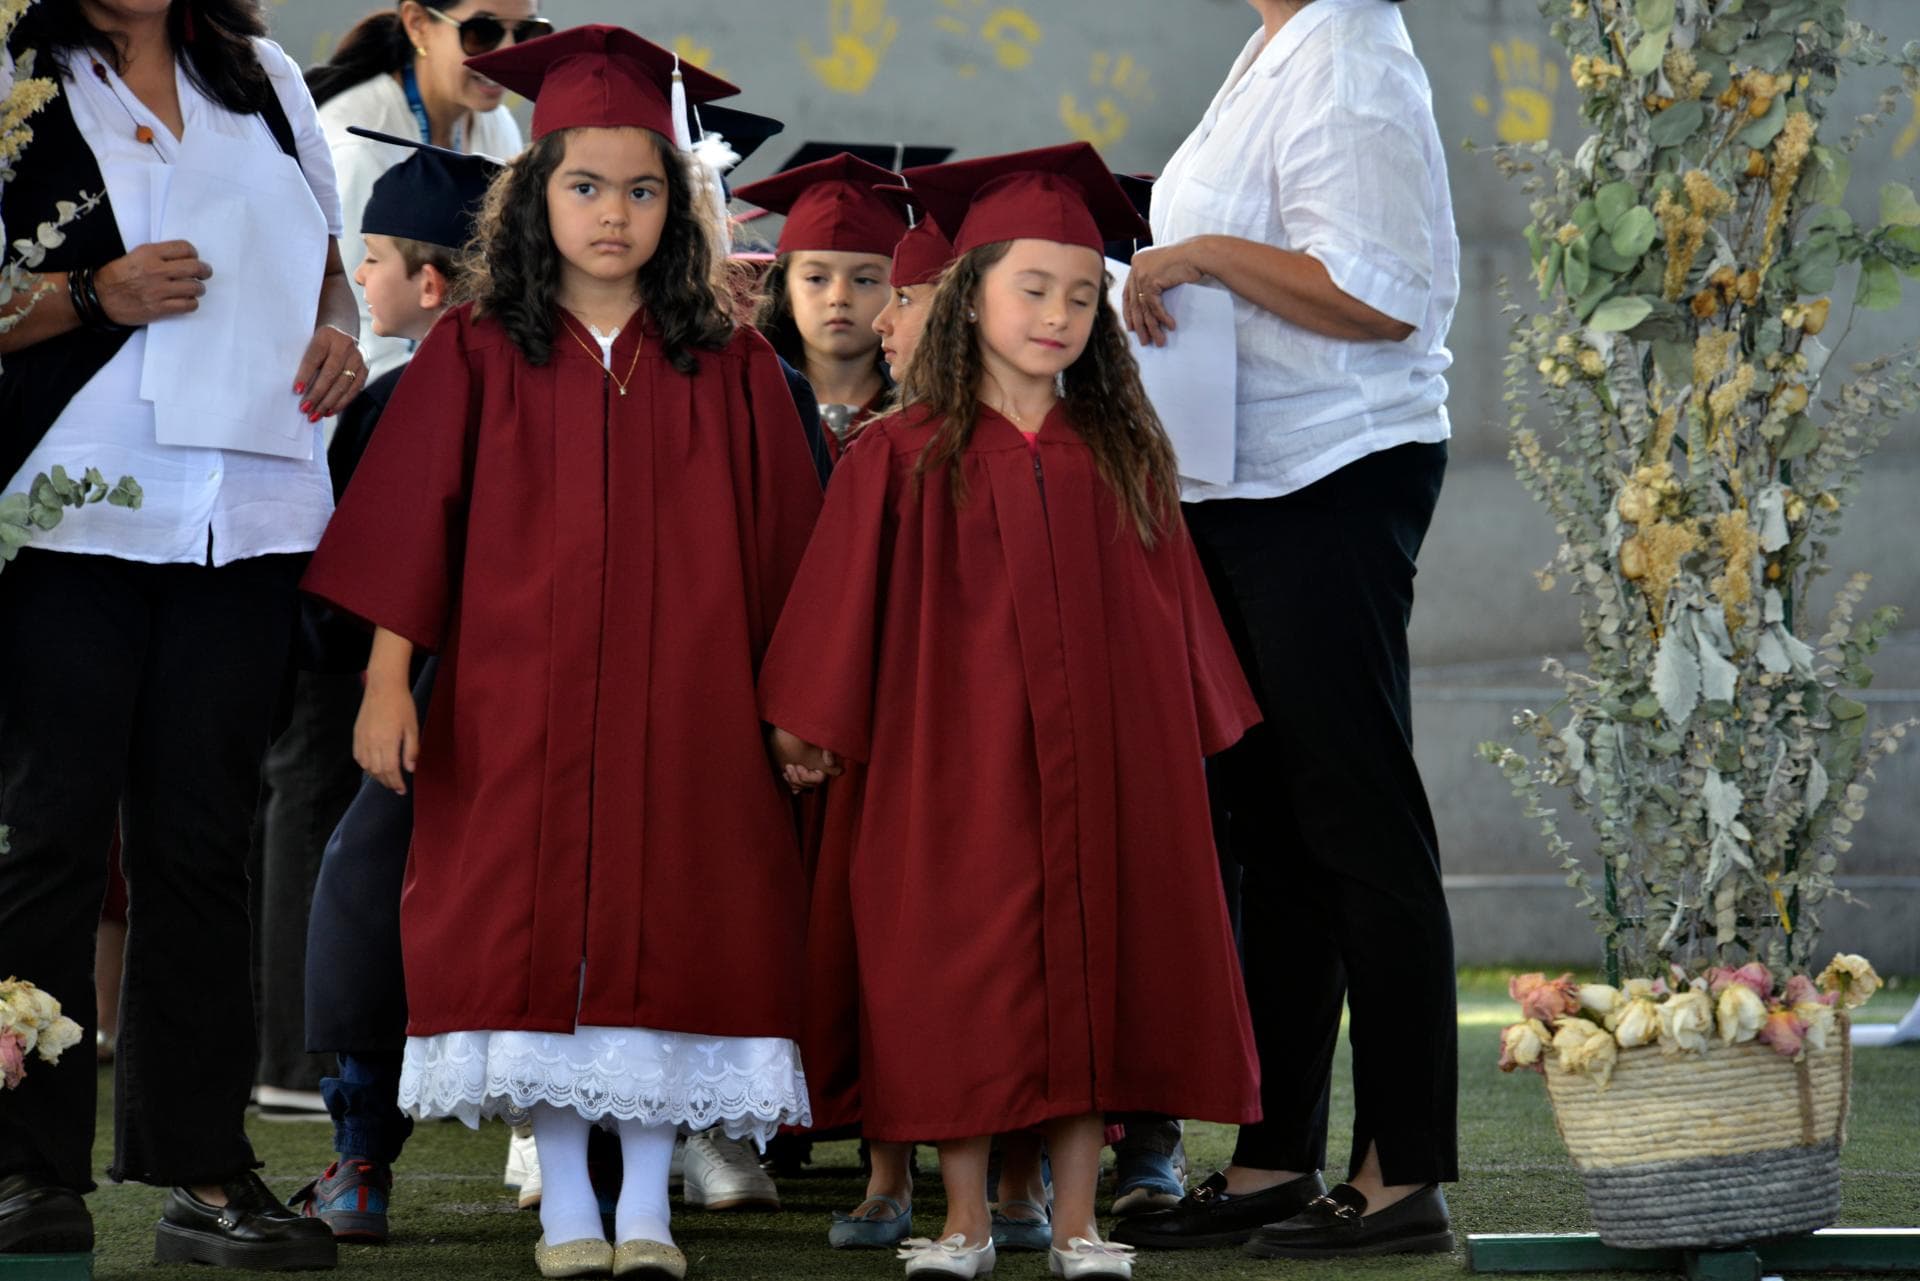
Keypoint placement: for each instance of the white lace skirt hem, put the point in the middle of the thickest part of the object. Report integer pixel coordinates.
(748, 1086)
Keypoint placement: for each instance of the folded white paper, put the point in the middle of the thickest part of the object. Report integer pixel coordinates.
(1191, 380)
(221, 377)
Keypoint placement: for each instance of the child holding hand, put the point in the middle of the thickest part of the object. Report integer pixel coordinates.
(1002, 636)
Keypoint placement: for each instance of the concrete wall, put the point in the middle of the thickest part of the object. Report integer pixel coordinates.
(1133, 76)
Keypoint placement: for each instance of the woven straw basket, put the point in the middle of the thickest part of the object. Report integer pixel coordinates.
(1734, 1145)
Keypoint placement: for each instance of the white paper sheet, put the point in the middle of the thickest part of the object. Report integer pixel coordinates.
(221, 377)
(1191, 380)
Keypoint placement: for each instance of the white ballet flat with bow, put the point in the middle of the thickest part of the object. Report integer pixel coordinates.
(1084, 1258)
(947, 1257)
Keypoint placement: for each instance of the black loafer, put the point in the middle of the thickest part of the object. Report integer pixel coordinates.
(252, 1230)
(41, 1217)
(1210, 1216)
(1338, 1225)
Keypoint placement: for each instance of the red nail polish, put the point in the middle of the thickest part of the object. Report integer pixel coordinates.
(307, 408)
(298, 388)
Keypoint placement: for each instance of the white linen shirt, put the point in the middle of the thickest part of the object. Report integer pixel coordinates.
(199, 503)
(1323, 141)
(380, 104)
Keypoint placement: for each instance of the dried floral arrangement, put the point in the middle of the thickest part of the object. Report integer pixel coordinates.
(1674, 409)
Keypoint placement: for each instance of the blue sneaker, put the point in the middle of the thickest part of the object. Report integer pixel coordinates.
(1144, 1182)
(351, 1198)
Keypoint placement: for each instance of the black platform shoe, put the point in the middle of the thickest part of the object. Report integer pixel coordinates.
(41, 1217)
(1338, 1225)
(1210, 1216)
(252, 1230)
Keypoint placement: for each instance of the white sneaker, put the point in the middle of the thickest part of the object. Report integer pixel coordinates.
(725, 1174)
(1086, 1259)
(523, 1166)
(948, 1257)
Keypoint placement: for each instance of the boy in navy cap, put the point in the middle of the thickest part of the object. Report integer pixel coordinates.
(417, 222)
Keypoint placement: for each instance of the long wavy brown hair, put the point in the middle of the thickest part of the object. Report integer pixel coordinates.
(513, 266)
(1103, 401)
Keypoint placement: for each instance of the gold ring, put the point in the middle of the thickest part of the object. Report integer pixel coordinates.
(348, 373)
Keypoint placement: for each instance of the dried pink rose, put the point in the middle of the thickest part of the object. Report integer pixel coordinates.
(1800, 990)
(1784, 1031)
(1542, 998)
(13, 1060)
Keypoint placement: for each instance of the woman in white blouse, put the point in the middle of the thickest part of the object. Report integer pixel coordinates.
(193, 331)
(403, 72)
(1315, 190)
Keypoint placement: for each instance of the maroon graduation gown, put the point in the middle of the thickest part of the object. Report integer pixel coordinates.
(1027, 886)
(600, 575)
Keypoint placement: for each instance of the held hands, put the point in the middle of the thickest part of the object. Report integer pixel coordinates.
(151, 283)
(1154, 272)
(331, 373)
(386, 737)
(802, 765)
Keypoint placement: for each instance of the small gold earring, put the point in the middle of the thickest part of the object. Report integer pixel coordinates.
(420, 49)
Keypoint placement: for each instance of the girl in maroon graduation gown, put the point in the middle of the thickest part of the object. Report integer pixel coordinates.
(829, 282)
(590, 507)
(1001, 620)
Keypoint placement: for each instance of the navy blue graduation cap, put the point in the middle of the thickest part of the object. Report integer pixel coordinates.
(434, 195)
(744, 131)
(897, 156)
(1139, 189)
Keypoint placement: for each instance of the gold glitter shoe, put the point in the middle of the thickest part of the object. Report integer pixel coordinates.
(649, 1261)
(587, 1257)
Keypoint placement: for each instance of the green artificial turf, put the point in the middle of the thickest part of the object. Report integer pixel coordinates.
(453, 1218)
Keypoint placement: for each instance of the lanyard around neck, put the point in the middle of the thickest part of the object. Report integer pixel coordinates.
(418, 105)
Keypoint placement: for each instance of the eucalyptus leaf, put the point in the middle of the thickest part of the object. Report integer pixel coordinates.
(1617, 315)
(1817, 786)
(1602, 256)
(1632, 235)
(1801, 438)
(1824, 181)
(1677, 124)
(1646, 56)
(1879, 285)
(1769, 52)
(1817, 263)
(1653, 15)
(1763, 131)
(1676, 675)
(1898, 208)
(1613, 200)
(1575, 269)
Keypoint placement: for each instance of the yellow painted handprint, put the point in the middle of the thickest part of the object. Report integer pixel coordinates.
(1106, 121)
(695, 54)
(1911, 134)
(862, 33)
(1011, 33)
(1527, 85)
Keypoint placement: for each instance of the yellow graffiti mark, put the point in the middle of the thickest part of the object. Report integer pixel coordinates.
(1011, 34)
(1527, 84)
(695, 54)
(1911, 134)
(1114, 78)
(862, 33)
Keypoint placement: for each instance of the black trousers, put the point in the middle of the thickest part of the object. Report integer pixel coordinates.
(147, 692)
(1340, 896)
(309, 780)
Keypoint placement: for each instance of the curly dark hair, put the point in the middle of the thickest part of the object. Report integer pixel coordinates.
(1104, 401)
(773, 317)
(214, 40)
(512, 268)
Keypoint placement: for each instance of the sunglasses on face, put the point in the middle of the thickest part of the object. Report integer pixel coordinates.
(484, 33)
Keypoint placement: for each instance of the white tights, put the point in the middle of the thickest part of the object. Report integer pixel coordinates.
(569, 1210)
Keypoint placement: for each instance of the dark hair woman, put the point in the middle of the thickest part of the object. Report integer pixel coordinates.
(403, 72)
(191, 332)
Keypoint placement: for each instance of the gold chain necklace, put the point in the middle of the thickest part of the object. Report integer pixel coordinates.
(600, 360)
